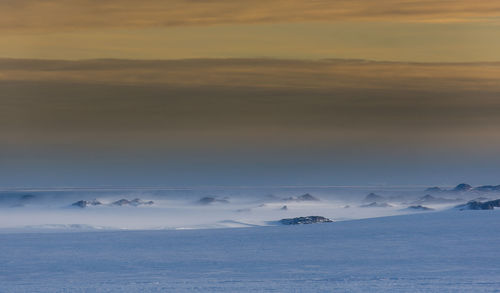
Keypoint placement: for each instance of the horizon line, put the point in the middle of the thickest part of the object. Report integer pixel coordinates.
(116, 187)
(262, 58)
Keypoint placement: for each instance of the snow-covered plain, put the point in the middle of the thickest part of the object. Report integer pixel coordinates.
(429, 252)
(389, 249)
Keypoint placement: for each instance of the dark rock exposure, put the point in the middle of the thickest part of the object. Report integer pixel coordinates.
(462, 187)
(420, 208)
(307, 197)
(86, 203)
(372, 197)
(305, 220)
(488, 188)
(477, 205)
(304, 197)
(436, 200)
(121, 202)
(377, 205)
(209, 200)
(27, 197)
(434, 189)
(427, 197)
(138, 202)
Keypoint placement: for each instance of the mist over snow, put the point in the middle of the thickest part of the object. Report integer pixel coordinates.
(228, 207)
(283, 239)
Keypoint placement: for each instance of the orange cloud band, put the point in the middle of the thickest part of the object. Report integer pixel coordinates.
(60, 15)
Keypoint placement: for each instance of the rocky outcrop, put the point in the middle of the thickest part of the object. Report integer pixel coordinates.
(377, 205)
(210, 200)
(372, 197)
(307, 197)
(462, 187)
(135, 202)
(304, 197)
(429, 199)
(434, 189)
(122, 202)
(419, 208)
(86, 203)
(305, 220)
(27, 198)
(477, 205)
(487, 188)
(139, 202)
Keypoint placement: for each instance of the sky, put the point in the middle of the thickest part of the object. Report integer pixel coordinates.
(216, 92)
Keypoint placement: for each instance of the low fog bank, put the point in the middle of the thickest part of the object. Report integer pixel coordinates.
(218, 207)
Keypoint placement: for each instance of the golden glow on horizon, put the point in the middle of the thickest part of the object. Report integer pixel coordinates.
(374, 41)
(61, 15)
(198, 80)
(393, 30)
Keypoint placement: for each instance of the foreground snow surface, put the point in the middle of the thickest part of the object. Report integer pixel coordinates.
(448, 251)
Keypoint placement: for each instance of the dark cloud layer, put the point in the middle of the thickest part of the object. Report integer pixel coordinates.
(261, 73)
(275, 116)
(247, 96)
